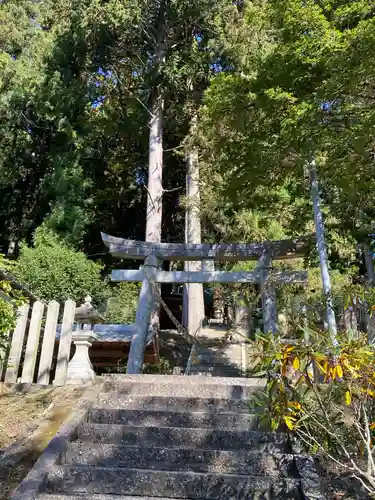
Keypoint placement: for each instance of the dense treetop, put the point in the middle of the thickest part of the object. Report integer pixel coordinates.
(275, 83)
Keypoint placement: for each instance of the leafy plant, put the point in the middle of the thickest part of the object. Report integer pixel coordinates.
(10, 299)
(122, 305)
(162, 368)
(324, 396)
(54, 271)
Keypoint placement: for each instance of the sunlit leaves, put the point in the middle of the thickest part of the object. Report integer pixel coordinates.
(303, 375)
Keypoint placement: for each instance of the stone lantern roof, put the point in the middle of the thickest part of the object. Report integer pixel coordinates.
(86, 313)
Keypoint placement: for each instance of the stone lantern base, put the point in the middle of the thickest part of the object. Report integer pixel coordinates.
(80, 370)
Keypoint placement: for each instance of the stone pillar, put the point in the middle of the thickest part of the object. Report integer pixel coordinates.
(217, 304)
(80, 370)
(242, 319)
(143, 315)
(268, 295)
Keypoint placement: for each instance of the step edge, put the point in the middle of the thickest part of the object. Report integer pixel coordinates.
(239, 431)
(185, 448)
(177, 379)
(179, 398)
(153, 471)
(171, 412)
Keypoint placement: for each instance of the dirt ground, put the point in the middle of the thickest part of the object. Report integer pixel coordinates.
(28, 421)
(174, 348)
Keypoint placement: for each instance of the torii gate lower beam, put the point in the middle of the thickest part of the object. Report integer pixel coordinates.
(150, 275)
(278, 277)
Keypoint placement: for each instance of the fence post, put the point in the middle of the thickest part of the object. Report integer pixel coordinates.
(17, 343)
(32, 343)
(48, 343)
(65, 343)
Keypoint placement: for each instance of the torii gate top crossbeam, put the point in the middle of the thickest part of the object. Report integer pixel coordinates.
(132, 249)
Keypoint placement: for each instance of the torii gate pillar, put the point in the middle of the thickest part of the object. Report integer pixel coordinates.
(143, 315)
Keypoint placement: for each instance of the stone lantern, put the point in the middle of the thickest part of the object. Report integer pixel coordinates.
(80, 370)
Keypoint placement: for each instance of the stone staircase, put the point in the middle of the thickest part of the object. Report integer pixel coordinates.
(217, 354)
(173, 437)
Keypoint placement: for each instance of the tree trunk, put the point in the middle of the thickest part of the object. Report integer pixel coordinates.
(155, 171)
(193, 299)
(369, 265)
(322, 250)
(369, 317)
(155, 161)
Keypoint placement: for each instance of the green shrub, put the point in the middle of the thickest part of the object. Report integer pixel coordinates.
(122, 305)
(52, 270)
(10, 299)
(162, 368)
(324, 395)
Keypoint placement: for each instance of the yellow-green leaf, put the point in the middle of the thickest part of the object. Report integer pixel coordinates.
(289, 422)
(348, 398)
(321, 368)
(296, 363)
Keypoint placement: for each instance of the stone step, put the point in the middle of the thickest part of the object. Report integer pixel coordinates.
(177, 437)
(220, 363)
(180, 459)
(217, 370)
(218, 357)
(191, 485)
(90, 496)
(194, 389)
(165, 418)
(223, 366)
(115, 400)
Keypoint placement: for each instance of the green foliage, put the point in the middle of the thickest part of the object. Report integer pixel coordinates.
(161, 368)
(322, 394)
(54, 271)
(304, 89)
(7, 321)
(10, 299)
(122, 305)
(272, 84)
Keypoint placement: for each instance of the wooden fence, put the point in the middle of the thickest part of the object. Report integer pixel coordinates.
(32, 356)
(41, 345)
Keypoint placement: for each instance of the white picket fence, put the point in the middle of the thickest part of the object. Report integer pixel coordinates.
(39, 332)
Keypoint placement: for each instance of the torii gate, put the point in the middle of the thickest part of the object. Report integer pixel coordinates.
(150, 273)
